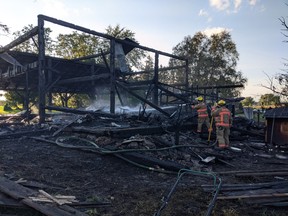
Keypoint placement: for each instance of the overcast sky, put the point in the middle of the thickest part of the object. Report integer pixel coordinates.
(162, 24)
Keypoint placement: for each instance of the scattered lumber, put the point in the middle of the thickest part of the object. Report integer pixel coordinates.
(267, 193)
(54, 207)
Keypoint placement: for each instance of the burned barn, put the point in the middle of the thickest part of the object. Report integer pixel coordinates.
(143, 161)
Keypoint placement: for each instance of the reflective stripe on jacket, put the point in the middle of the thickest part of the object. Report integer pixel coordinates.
(223, 118)
(201, 110)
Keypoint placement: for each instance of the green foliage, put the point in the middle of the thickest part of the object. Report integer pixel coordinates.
(4, 28)
(134, 57)
(7, 108)
(248, 102)
(14, 98)
(76, 45)
(31, 45)
(71, 100)
(17, 99)
(212, 61)
(79, 101)
(269, 100)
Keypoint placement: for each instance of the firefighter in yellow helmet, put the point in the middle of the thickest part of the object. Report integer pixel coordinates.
(223, 122)
(203, 117)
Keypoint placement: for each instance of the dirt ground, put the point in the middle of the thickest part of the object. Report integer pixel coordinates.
(131, 189)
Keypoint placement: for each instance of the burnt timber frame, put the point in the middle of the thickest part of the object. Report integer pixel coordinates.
(46, 85)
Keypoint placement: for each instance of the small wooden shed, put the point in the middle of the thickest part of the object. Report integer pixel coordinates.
(277, 126)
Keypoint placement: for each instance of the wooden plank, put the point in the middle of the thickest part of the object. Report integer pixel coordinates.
(268, 200)
(127, 132)
(21, 193)
(275, 173)
(253, 196)
(277, 204)
(67, 125)
(233, 172)
(81, 112)
(45, 209)
(8, 202)
(239, 187)
(15, 190)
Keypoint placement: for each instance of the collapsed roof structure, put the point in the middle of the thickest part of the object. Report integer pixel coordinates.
(162, 146)
(37, 72)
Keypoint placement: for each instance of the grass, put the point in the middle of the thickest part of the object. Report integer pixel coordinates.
(3, 112)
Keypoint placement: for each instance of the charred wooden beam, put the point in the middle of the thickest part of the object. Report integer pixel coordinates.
(249, 186)
(67, 125)
(150, 71)
(112, 75)
(127, 132)
(84, 79)
(219, 86)
(81, 112)
(173, 94)
(138, 85)
(155, 80)
(109, 37)
(233, 172)
(275, 173)
(247, 196)
(91, 56)
(22, 133)
(23, 194)
(144, 100)
(20, 39)
(41, 71)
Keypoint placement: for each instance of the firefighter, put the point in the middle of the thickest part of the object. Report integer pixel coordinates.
(203, 117)
(223, 122)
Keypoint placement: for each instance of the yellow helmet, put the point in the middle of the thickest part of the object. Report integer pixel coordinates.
(200, 98)
(221, 102)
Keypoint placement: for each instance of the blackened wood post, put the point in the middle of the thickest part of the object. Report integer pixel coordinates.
(156, 79)
(187, 83)
(112, 76)
(41, 70)
(92, 69)
(26, 99)
(49, 81)
(186, 75)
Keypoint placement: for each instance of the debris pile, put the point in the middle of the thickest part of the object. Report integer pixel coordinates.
(250, 170)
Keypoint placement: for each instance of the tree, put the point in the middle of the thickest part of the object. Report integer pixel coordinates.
(76, 45)
(17, 99)
(13, 97)
(280, 86)
(133, 58)
(283, 77)
(4, 28)
(212, 61)
(269, 100)
(31, 46)
(248, 102)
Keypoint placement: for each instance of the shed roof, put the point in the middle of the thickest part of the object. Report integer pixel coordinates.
(281, 112)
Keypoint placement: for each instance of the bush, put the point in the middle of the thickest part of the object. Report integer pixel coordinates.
(7, 108)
